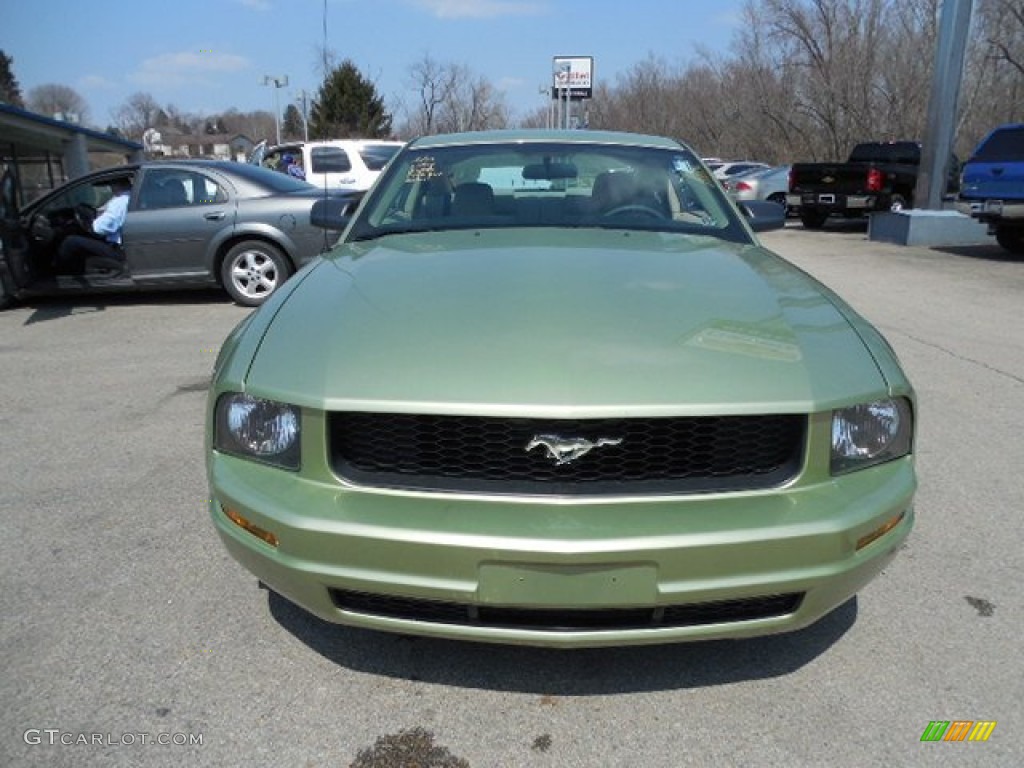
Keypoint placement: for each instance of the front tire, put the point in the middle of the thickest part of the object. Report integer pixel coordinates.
(1012, 239)
(252, 270)
(899, 203)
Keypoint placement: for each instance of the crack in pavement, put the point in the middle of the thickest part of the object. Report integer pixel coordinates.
(957, 356)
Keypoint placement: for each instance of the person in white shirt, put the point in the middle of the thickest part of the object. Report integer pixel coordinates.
(102, 250)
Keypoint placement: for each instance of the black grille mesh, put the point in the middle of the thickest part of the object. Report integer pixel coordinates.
(687, 615)
(653, 455)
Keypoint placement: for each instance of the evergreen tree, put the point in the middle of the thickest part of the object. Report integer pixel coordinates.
(291, 128)
(348, 105)
(10, 91)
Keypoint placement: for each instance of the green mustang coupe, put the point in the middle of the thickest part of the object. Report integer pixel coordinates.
(549, 389)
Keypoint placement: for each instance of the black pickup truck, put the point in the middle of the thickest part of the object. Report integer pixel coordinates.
(878, 176)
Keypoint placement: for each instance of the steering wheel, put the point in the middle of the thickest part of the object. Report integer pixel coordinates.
(634, 208)
(41, 230)
(85, 215)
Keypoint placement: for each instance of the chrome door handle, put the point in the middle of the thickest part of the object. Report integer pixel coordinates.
(214, 216)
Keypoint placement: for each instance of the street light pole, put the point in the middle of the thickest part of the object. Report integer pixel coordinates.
(278, 83)
(303, 96)
(546, 92)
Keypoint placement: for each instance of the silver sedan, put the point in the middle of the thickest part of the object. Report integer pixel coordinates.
(769, 184)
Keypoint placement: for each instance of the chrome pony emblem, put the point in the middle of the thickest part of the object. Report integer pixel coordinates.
(566, 449)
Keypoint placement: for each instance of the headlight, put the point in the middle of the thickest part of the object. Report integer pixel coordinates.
(257, 429)
(871, 433)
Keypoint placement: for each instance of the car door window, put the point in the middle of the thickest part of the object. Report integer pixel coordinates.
(172, 188)
(272, 159)
(203, 190)
(330, 160)
(93, 194)
(163, 189)
(275, 158)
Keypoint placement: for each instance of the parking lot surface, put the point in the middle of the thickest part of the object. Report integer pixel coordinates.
(130, 638)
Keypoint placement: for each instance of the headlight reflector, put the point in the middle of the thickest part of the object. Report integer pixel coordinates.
(870, 433)
(259, 429)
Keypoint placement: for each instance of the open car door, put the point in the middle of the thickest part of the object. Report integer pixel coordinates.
(258, 153)
(13, 245)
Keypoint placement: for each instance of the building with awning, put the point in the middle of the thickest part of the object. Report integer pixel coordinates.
(43, 152)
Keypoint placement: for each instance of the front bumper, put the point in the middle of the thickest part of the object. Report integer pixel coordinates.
(492, 566)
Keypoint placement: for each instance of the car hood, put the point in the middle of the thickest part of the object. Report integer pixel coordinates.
(569, 323)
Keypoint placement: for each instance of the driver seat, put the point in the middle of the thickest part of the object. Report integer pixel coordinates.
(613, 189)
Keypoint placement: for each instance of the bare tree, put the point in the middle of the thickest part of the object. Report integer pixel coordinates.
(54, 99)
(1005, 32)
(255, 125)
(433, 83)
(137, 114)
(993, 86)
(832, 73)
(451, 97)
(473, 104)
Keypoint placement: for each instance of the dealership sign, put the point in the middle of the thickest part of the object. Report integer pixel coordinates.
(575, 73)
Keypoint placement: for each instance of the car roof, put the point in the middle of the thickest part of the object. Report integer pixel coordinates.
(334, 143)
(557, 136)
(262, 178)
(222, 165)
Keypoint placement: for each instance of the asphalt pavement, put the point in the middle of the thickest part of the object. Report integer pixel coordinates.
(130, 638)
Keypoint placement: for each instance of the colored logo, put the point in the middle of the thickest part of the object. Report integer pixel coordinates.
(958, 730)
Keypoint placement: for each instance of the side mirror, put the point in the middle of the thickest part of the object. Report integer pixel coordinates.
(333, 212)
(762, 215)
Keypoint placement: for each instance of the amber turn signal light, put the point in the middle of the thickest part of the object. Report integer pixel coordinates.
(880, 531)
(255, 530)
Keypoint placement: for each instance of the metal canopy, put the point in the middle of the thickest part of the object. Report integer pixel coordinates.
(27, 135)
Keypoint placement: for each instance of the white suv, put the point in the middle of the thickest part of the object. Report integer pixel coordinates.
(350, 165)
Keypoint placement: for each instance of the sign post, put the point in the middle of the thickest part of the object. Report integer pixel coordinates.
(573, 80)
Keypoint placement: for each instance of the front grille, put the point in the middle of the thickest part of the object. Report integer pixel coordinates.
(639, 456)
(565, 620)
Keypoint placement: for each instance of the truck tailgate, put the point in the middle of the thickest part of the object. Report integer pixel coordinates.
(839, 178)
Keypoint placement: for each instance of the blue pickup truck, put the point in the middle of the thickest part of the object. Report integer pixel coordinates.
(992, 186)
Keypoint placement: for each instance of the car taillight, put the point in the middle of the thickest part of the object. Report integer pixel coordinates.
(742, 186)
(789, 184)
(876, 180)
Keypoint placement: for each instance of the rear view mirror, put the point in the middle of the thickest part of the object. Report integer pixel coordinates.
(549, 171)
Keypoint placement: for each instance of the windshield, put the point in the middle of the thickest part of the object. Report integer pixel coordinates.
(547, 184)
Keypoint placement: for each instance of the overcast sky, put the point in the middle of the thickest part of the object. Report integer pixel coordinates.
(205, 56)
